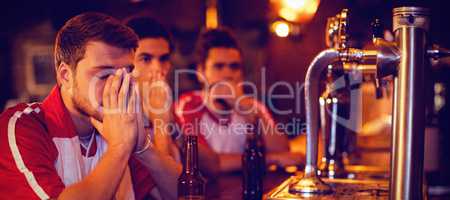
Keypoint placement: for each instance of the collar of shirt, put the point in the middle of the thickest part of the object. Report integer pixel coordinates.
(57, 117)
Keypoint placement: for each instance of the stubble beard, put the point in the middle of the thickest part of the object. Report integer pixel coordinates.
(84, 106)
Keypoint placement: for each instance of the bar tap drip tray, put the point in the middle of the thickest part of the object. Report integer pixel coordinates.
(343, 189)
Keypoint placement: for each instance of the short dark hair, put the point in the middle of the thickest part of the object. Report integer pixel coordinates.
(214, 38)
(71, 40)
(146, 27)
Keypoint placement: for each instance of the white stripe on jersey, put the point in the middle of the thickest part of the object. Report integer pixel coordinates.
(16, 154)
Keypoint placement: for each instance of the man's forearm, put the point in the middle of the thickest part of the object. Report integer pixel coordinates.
(103, 181)
(209, 161)
(164, 170)
(275, 141)
(284, 159)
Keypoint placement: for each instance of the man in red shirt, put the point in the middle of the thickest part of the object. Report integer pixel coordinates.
(86, 140)
(220, 112)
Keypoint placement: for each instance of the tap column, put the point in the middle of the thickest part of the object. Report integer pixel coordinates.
(410, 25)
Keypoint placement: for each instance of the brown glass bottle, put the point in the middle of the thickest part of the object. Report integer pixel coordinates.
(261, 147)
(252, 174)
(191, 184)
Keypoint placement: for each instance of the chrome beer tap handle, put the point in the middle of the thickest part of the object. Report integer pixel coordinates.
(311, 183)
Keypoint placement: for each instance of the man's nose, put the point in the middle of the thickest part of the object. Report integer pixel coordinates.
(156, 66)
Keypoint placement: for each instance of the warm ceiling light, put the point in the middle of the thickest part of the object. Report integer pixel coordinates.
(288, 14)
(298, 11)
(281, 28)
(312, 7)
(294, 4)
(212, 16)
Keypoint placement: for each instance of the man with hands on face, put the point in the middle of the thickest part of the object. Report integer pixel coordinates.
(86, 140)
(152, 65)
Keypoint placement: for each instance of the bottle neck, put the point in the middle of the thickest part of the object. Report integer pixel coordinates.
(251, 140)
(254, 136)
(191, 159)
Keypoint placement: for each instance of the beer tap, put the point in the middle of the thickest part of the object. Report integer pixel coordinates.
(378, 62)
(404, 60)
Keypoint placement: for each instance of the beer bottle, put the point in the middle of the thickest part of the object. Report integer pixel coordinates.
(191, 185)
(261, 148)
(252, 183)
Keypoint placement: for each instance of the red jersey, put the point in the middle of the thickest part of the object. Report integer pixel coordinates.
(222, 136)
(40, 152)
